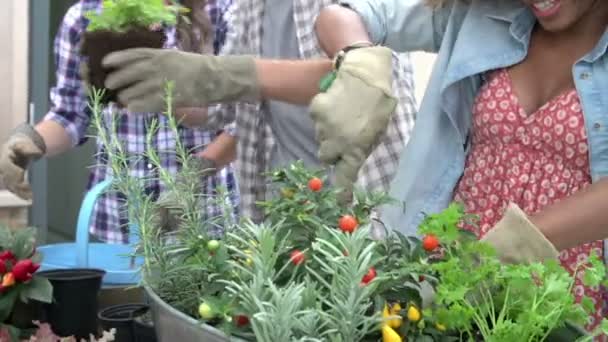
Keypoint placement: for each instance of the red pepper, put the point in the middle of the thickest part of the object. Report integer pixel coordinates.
(24, 269)
(8, 256)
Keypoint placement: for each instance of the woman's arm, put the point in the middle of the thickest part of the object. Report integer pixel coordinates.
(55, 137)
(402, 25)
(578, 219)
(222, 150)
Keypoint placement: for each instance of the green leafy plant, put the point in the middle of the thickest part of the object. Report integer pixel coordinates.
(19, 283)
(122, 15)
(478, 296)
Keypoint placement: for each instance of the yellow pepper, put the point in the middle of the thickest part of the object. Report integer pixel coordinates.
(413, 314)
(388, 332)
(395, 311)
(248, 261)
(396, 321)
(8, 280)
(390, 335)
(287, 192)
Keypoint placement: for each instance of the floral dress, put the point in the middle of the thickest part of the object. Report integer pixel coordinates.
(531, 160)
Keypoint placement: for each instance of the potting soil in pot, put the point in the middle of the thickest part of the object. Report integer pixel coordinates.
(98, 44)
(74, 309)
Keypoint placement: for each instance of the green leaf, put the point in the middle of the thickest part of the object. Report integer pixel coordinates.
(587, 304)
(604, 326)
(7, 301)
(39, 289)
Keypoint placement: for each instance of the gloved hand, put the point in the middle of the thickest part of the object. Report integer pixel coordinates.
(353, 113)
(516, 239)
(141, 75)
(170, 209)
(23, 146)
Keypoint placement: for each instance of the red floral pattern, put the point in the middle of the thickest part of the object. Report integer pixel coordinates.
(531, 160)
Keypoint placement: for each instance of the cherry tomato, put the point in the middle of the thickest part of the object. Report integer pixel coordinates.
(430, 243)
(213, 245)
(297, 257)
(240, 320)
(369, 276)
(348, 224)
(205, 311)
(315, 184)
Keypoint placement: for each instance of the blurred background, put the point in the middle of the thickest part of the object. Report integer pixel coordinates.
(27, 31)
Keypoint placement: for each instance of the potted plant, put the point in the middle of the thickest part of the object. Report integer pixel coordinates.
(312, 270)
(120, 25)
(22, 290)
(74, 290)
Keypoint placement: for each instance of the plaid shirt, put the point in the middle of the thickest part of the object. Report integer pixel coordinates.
(253, 131)
(69, 109)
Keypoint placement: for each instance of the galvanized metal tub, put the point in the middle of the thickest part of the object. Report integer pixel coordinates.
(172, 325)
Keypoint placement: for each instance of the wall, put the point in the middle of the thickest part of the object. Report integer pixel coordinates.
(13, 93)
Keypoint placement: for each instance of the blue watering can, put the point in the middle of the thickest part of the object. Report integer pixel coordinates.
(121, 268)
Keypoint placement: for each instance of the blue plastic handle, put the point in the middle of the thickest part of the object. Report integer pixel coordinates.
(84, 220)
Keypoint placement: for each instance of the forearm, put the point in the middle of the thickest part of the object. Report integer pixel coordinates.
(55, 137)
(578, 219)
(222, 150)
(295, 82)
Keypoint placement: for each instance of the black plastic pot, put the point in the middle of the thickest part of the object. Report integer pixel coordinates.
(74, 309)
(121, 317)
(143, 326)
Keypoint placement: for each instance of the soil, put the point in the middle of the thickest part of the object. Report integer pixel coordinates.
(98, 44)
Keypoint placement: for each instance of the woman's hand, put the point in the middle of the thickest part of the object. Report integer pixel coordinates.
(516, 239)
(353, 112)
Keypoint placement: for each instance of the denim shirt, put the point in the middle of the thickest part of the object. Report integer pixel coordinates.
(470, 39)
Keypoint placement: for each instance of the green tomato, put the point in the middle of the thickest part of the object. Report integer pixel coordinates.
(205, 311)
(213, 245)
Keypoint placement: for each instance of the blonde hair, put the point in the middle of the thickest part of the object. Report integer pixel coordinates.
(195, 32)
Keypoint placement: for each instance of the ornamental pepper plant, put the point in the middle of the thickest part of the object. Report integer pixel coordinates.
(19, 283)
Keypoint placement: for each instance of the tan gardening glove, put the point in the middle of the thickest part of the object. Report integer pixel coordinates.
(141, 75)
(353, 113)
(517, 240)
(23, 146)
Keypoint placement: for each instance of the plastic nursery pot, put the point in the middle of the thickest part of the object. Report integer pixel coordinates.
(120, 317)
(143, 326)
(98, 44)
(567, 333)
(74, 308)
(24, 314)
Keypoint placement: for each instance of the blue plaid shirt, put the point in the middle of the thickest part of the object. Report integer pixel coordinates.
(69, 109)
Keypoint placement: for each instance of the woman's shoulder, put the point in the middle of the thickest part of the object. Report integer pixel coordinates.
(75, 20)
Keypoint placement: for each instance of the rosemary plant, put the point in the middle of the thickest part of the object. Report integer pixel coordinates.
(176, 263)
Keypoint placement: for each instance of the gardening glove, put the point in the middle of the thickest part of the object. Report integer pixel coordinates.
(23, 146)
(170, 210)
(517, 240)
(141, 74)
(353, 111)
